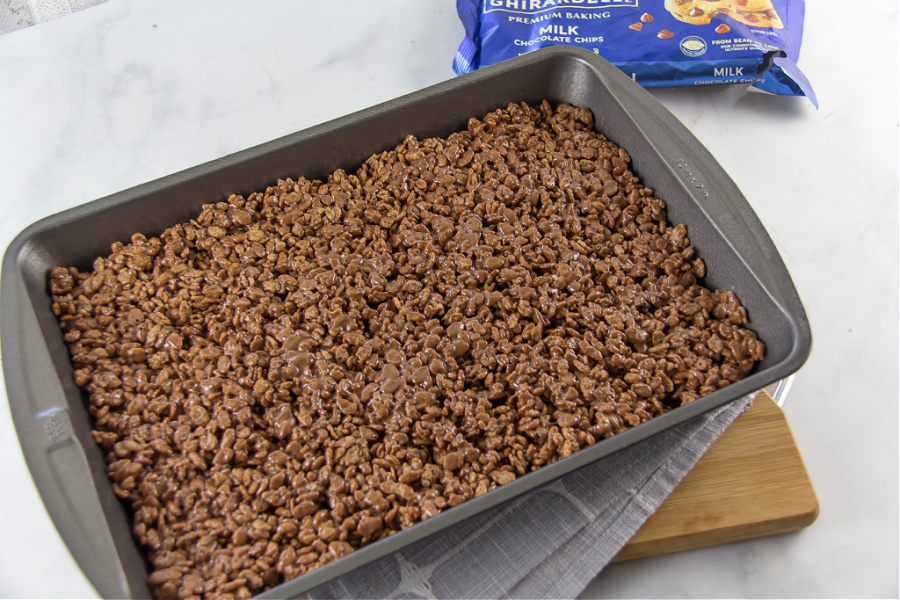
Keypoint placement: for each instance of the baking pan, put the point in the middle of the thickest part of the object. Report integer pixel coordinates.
(49, 411)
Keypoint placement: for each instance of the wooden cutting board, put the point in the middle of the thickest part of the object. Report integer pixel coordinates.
(750, 483)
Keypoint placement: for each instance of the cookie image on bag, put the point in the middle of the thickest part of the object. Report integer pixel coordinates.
(752, 6)
(697, 12)
(757, 13)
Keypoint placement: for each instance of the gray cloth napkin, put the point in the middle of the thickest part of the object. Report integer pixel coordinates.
(551, 542)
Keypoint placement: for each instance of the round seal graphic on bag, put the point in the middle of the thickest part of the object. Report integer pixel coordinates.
(693, 46)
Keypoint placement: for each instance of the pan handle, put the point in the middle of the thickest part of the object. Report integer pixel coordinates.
(62, 459)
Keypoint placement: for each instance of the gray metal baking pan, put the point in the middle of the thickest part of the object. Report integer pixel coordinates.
(49, 411)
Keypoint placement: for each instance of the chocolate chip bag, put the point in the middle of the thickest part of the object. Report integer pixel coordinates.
(659, 43)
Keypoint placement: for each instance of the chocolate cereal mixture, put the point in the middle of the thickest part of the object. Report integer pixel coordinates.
(295, 374)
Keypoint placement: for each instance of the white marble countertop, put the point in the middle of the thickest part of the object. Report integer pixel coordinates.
(128, 91)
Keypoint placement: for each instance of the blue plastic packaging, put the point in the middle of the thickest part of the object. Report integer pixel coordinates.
(658, 43)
